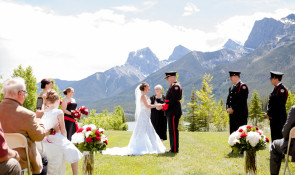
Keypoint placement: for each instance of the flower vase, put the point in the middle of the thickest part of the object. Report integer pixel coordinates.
(250, 163)
(88, 163)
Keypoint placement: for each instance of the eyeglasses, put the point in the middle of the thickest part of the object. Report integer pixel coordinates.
(26, 92)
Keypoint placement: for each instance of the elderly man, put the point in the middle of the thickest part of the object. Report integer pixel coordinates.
(279, 146)
(17, 119)
(8, 158)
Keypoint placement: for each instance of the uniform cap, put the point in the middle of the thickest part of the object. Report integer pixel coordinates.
(276, 74)
(169, 74)
(233, 73)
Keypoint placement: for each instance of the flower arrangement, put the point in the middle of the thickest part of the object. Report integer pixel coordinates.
(76, 113)
(247, 138)
(83, 110)
(90, 138)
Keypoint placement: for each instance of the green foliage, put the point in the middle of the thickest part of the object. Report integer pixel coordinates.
(206, 103)
(192, 113)
(108, 121)
(31, 83)
(290, 101)
(220, 119)
(256, 113)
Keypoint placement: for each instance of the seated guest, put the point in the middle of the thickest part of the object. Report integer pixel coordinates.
(58, 148)
(17, 119)
(8, 158)
(279, 146)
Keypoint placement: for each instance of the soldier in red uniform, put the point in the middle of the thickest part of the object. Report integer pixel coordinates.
(172, 108)
(276, 109)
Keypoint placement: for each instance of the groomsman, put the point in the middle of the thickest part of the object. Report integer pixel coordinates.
(276, 109)
(172, 108)
(236, 103)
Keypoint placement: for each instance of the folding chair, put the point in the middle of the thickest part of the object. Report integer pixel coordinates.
(291, 135)
(17, 140)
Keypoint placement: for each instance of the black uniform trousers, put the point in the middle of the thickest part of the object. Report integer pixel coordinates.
(173, 121)
(276, 129)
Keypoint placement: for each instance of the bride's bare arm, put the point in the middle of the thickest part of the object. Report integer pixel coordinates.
(61, 122)
(146, 104)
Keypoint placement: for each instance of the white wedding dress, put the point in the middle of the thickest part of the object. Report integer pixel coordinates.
(57, 148)
(144, 139)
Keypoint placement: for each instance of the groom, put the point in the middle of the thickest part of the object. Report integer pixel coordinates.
(172, 108)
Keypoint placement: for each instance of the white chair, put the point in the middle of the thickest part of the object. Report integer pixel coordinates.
(291, 135)
(16, 140)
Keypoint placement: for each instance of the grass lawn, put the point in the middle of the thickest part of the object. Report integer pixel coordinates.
(200, 153)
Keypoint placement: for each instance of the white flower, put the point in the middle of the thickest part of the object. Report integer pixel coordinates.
(253, 138)
(244, 128)
(101, 130)
(103, 138)
(234, 138)
(78, 138)
(93, 127)
(88, 133)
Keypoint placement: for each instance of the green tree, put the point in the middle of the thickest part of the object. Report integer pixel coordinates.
(290, 101)
(192, 113)
(220, 119)
(31, 84)
(206, 102)
(256, 113)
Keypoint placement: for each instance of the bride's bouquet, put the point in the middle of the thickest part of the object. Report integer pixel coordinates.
(247, 138)
(90, 138)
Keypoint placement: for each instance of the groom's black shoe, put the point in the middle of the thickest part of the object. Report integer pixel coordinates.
(170, 151)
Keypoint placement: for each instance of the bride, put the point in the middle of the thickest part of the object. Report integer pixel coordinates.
(144, 139)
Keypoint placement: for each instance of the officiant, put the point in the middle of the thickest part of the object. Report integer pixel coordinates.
(158, 118)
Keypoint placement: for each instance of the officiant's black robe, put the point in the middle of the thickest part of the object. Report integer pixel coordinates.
(158, 118)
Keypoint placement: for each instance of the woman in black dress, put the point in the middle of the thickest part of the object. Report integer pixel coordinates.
(69, 104)
(158, 118)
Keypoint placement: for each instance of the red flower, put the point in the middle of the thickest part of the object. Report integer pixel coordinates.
(97, 138)
(60, 102)
(97, 133)
(101, 132)
(106, 142)
(89, 140)
(88, 129)
(256, 128)
(259, 133)
(243, 135)
(249, 127)
(266, 139)
(80, 130)
(240, 130)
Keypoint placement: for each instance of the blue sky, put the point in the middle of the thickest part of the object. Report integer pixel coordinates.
(88, 36)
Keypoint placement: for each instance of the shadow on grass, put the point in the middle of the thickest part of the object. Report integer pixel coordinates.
(234, 155)
(167, 155)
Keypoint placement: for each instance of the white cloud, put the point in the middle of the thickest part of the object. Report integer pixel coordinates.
(73, 47)
(190, 9)
(239, 27)
(149, 4)
(127, 8)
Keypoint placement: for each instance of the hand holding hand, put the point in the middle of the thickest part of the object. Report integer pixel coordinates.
(159, 107)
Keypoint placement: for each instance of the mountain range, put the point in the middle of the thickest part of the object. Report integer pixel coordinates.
(270, 46)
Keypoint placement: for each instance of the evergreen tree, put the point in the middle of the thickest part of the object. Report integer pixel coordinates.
(192, 112)
(206, 103)
(290, 101)
(31, 84)
(255, 109)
